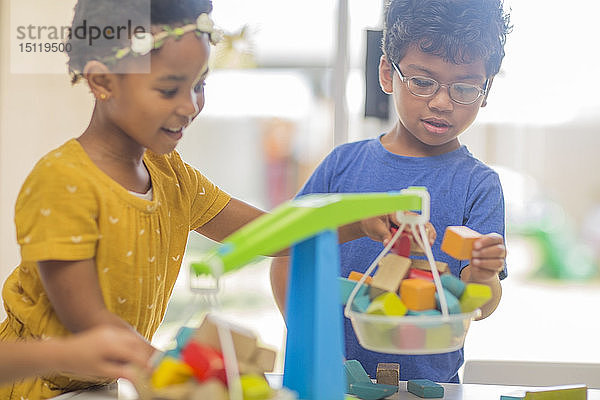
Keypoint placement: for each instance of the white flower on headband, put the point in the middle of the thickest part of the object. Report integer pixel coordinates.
(216, 36)
(142, 43)
(204, 23)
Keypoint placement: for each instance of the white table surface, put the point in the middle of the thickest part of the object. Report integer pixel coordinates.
(451, 392)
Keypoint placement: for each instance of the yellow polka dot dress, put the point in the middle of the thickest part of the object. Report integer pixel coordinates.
(68, 209)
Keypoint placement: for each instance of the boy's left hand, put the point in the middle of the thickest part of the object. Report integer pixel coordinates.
(488, 257)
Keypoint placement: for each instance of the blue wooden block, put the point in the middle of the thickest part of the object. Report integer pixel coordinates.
(371, 391)
(453, 285)
(425, 388)
(451, 301)
(346, 288)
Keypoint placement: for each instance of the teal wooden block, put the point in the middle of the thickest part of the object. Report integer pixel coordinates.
(451, 301)
(453, 284)
(175, 353)
(361, 303)
(355, 373)
(347, 286)
(425, 388)
(429, 313)
(183, 336)
(371, 391)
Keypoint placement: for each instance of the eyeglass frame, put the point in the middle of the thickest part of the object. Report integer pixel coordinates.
(405, 79)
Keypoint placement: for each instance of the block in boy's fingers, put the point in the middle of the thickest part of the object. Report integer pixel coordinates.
(458, 242)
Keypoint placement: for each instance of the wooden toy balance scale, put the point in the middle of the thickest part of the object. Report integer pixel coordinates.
(314, 348)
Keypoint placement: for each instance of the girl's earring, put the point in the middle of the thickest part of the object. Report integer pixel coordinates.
(102, 96)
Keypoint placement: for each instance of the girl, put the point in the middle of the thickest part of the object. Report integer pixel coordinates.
(103, 220)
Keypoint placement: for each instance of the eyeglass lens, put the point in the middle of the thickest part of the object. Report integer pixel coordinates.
(459, 92)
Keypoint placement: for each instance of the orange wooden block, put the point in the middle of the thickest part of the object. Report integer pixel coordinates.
(458, 241)
(356, 276)
(418, 294)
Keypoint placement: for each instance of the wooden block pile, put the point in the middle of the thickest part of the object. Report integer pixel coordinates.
(404, 286)
(196, 367)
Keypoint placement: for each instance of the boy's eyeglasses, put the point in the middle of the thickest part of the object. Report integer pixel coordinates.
(422, 86)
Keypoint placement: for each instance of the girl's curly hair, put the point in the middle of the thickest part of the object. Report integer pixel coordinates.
(114, 13)
(459, 31)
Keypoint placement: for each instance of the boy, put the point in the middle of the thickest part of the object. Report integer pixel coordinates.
(440, 57)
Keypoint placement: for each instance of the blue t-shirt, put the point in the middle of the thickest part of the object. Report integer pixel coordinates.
(463, 191)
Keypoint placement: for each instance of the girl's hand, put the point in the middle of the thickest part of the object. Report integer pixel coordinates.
(488, 257)
(105, 351)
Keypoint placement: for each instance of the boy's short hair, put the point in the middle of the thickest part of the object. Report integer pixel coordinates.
(459, 31)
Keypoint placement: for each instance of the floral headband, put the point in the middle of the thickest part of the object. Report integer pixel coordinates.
(144, 42)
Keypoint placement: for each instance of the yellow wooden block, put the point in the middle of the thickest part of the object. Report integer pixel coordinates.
(255, 387)
(170, 371)
(423, 265)
(474, 296)
(418, 294)
(458, 241)
(391, 270)
(438, 337)
(387, 304)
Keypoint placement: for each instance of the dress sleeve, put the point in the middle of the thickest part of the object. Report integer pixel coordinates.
(206, 198)
(56, 214)
(486, 213)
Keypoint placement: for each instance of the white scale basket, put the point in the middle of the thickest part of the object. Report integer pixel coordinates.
(411, 334)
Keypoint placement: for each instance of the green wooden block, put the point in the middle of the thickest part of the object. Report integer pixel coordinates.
(425, 388)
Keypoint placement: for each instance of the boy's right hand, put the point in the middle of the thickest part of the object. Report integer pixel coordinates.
(379, 228)
(105, 351)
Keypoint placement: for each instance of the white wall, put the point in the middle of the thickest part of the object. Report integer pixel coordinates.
(37, 113)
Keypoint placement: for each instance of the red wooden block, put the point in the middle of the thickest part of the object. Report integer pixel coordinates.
(205, 361)
(402, 245)
(419, 274)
